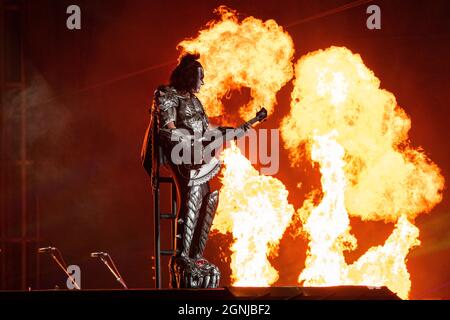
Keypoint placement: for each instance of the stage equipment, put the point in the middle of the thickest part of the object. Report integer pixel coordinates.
(60, 262)
(111, 267)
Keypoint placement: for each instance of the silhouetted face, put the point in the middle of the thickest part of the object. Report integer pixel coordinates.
(200, 82)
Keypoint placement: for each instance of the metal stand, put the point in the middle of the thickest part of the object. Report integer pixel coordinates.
(61, 264)
(158, 216)
(111, 267)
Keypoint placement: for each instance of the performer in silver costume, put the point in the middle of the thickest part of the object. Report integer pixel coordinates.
(178, 119)
(177, 107)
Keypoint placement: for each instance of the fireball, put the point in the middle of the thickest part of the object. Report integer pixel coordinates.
(358, 135)
(252, 54)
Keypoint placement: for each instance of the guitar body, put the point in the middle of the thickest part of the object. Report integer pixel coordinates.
(203, 164)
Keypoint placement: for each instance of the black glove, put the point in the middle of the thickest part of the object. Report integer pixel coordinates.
(246, 126)
(224, 129)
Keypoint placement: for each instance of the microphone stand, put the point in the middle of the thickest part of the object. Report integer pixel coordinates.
(113, 269)
(62, 265)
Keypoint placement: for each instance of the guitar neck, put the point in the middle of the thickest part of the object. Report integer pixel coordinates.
(232, 134)
(249, 122)
(239, 131)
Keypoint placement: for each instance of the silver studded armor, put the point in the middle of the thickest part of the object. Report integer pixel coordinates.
(186, 111)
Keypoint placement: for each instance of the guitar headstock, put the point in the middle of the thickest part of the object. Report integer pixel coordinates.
(261, 115)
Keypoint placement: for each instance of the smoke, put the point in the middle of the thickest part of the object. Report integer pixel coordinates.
(45, 121)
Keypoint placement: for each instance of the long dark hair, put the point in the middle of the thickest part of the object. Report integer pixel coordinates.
(185, 76)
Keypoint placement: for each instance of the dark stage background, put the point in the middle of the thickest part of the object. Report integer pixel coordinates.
(87, 94)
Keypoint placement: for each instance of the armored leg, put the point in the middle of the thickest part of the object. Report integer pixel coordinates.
(187, 219)
(206, 219)
(182, 268)
(185, 271)
(201, 237)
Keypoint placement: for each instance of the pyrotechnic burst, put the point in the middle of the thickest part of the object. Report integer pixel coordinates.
(255, 210)
(242, 54)
(352, 128)
(358, 134)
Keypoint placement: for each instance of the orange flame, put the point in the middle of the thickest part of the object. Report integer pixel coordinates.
(358, 135)
(254, 208)
(353, 129)
(252, 54)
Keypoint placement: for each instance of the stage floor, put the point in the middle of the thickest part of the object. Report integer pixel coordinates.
(220, 294)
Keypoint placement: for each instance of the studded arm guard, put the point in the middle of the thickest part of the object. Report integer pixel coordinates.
(166, 102)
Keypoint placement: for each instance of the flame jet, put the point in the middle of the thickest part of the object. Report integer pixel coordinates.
(255, 209)
(358, 135)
